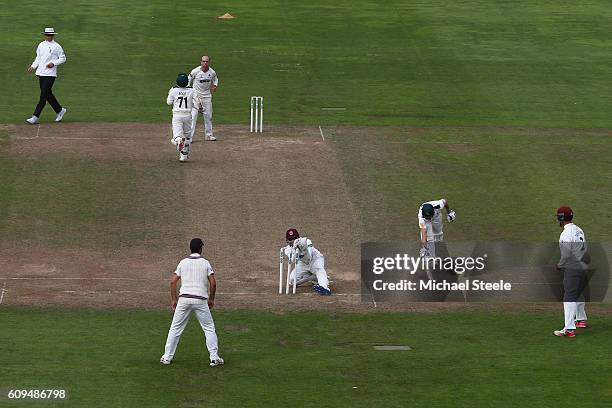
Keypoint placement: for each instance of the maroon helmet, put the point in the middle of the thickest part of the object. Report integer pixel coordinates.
(292, 234)
(564, 214)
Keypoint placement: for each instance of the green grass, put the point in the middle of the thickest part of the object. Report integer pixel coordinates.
(441, 62)
(309, 359)
(505, 184)
(74, 201)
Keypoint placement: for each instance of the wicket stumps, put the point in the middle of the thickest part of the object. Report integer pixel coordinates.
(257, 113)
(291, 263)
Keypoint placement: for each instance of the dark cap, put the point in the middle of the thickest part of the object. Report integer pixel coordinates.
(564, 214)
(292, 234)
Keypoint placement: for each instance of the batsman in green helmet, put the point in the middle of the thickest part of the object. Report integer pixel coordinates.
(430, 224)
(180, 97)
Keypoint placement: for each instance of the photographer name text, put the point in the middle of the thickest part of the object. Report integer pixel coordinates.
(430, 285)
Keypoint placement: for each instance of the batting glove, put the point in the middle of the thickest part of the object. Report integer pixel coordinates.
(451, 215)
(424, 253)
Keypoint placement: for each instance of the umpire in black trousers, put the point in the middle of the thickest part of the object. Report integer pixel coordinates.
(49, 54)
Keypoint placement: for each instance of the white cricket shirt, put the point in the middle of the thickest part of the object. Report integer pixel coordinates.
(306, 252)
(48, 51)
(573, 246)
(202, 82)
(194, 272)
(181, 100)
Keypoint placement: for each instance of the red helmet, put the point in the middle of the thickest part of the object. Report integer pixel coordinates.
(564, 214)
(292, 234)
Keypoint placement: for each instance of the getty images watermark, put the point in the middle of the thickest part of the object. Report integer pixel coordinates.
(474, 271)
(428, 264)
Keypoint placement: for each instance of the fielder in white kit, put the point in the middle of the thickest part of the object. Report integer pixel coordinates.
(430, 224)
(204, 81)
(180, 98)
(310, 265)
(197, 294)
(574, 264)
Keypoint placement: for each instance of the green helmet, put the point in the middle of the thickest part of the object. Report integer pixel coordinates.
(427, 211)
(182, 80)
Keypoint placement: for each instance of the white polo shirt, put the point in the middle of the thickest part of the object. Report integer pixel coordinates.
(202, 82)
(48, 51)
(194, 272)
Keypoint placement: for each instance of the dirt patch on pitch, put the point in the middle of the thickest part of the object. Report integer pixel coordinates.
(240, 194)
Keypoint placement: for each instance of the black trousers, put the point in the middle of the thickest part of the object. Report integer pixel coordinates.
(574, 284)
(46, 95)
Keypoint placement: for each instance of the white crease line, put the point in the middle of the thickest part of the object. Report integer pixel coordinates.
(302, 294)
(29, 138)
(41, 278)
(372, 295)
(64, 138)
(481, 144)
(441, 143)
(218, 293)
(332, 108)
(78, 138)
(321, 131)
(2, 292)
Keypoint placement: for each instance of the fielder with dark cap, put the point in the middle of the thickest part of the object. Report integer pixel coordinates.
(180, 97)
(311, 263)
(574, 264)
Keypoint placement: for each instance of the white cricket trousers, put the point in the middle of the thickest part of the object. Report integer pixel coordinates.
(574, 281)
(181, 317)
(314, 271)
(435, 229)
(573, 311)
(204, 104)
(181, 127)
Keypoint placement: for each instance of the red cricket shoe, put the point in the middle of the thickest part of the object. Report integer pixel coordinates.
(564, 333)
(581, 324)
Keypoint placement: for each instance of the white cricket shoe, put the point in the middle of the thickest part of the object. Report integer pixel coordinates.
(210, 138)
(60, 115)
(565, 333)
(218, 362)
(164, 360)
(183, 158)
(33, 120)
